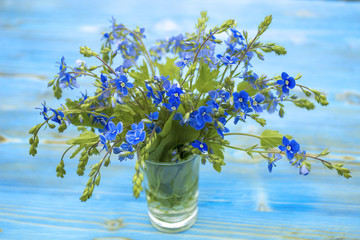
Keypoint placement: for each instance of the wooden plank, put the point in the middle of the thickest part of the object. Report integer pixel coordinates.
(244, 201)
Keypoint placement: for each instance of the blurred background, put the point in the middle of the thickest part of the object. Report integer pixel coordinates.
(245, 201)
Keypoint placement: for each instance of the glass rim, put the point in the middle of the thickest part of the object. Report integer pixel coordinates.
(193, 157)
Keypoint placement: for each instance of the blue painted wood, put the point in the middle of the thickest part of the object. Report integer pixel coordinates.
(244, 201)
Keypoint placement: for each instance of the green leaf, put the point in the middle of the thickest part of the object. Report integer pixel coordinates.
(246, 86)
(169, 69)
(85, 139)
(141, 75)
(270, 138)
(207, 79)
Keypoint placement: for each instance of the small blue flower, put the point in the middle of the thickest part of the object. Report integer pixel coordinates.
(229, 60)
(113, 131)
(103, 142)
(174, 94)
(125, 147)
(153, 116)
(290, 147)
(62, 68)
(200, 145)
(236, 34)
(224, 95)
(126, 64)
(83, 97)
(44, 110)
(242, 115)
(183, 63)
(171, 106)
(241, 100)
(259, 98)
(275, 157)
(122, 84)
(213, 104)
(136, 135)
(222, 129)
(203, 116)
(287, 82)
(68, 81)
(58, 117)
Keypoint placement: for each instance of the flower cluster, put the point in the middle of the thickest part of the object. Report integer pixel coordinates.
(175, 100)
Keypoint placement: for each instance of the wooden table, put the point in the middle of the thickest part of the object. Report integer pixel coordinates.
(244, 201)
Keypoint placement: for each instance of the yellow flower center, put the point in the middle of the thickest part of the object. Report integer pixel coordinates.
(287, 82)
(201, 146)
(122, 84)
(240, 100)
(255, 103)
(288, 148)
(173, 108)
(176, 95)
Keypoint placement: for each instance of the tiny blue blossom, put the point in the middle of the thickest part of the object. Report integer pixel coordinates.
(113, 130)
(200, 145)
(122, 84)
(287, 82)
(125, 147)
(241, 100)
(58, 117)
(255, 103)
(136, 134)
(290, 147)
(275, 157)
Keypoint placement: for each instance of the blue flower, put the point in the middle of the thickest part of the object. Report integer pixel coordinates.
(272, 103)
(125, 147)
(242, 115)
(103, 142)
(229, 60)
(122, 84)
(241, 100)
(113, 131)
(44, 110)
(171, 106)
(290, 147)
(68, 81)
(62, 68)
(83, 97)
(236, 34)
(174, 94)
(203, 116)
(183, 63)
(259, 98)
(303, 170)
(213, 104)
(136, 135)
(126, 64)
(274, 157)
(58, 117)
(153, 116)
(222, 129)
(161, 78)
(287, 82)
(224, 95)
(200, 145)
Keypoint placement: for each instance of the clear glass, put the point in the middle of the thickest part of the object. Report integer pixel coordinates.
(172, 194)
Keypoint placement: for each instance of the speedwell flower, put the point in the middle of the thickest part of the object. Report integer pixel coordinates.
(136, 134)
(113, 131)
(200, 145)
(259, 98)
(290, 147)
(241, 100)
(122, 84)
(287, 82)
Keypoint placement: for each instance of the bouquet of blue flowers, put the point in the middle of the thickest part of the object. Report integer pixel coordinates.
(175, 100)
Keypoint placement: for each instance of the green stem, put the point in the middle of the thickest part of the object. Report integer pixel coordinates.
(106, 65)
(243, 134)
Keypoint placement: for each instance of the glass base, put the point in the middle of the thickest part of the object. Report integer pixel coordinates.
(169, 227)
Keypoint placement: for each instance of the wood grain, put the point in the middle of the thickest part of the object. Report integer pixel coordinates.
(244, 201)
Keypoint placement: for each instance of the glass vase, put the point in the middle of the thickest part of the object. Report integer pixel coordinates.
(172, 194)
